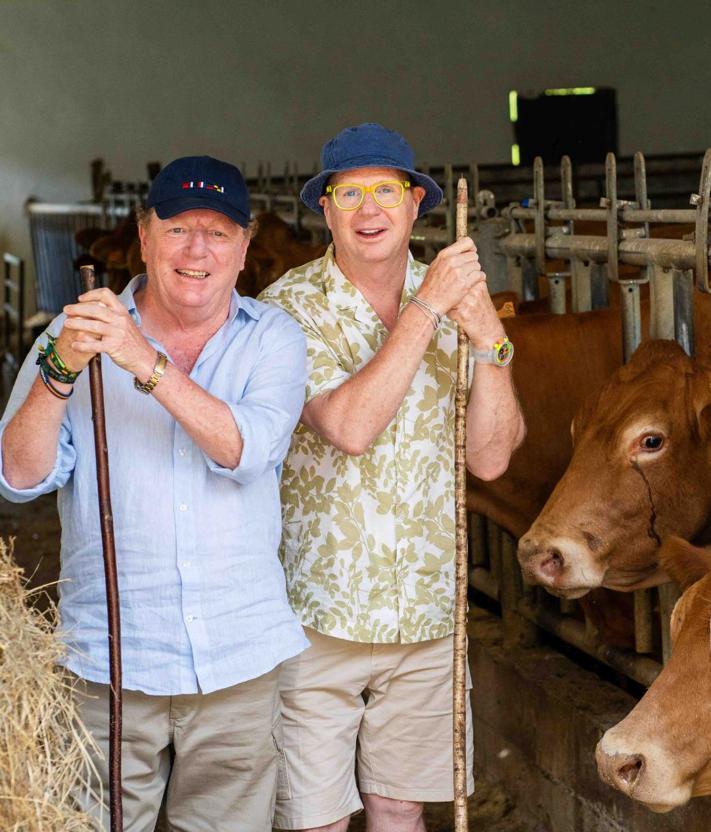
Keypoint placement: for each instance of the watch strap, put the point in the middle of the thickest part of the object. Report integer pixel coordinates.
(500, 353)
(156, 375)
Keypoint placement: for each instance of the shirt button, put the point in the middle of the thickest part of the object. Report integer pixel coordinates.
(186, 563)
(181, 451)
(190, 618)
(183, 507)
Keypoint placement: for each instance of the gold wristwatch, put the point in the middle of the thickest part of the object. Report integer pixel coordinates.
(156, 375)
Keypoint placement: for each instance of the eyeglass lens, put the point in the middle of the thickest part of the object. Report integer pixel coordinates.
(386, 194)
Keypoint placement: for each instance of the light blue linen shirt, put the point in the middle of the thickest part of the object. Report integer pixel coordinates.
(203, 597)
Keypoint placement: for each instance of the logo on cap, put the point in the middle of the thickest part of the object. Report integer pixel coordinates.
(204, 185)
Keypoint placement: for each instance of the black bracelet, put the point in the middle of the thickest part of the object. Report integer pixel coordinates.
(52, 389)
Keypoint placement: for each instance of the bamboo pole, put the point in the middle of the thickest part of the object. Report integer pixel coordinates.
(112, 597)
(461, 823)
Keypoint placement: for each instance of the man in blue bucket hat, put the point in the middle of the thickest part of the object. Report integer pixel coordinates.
(368, 492)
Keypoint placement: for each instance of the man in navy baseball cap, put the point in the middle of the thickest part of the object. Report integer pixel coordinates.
(200, 182)
(203, 389)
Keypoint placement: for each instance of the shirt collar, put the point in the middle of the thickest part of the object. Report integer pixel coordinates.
(348, 299)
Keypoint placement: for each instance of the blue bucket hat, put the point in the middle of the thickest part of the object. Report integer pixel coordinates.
(200, 182)
(368, 146)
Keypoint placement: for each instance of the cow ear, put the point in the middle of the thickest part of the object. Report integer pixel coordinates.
(684, 563)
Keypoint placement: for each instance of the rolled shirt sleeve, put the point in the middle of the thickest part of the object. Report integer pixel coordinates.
(66, 456)
(272, 401)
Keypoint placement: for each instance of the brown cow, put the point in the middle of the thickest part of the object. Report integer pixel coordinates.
(640, 472)
(660, 754)
(559, 359)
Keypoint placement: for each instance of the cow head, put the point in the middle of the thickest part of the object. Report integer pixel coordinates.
(639, 472)
(660, 754)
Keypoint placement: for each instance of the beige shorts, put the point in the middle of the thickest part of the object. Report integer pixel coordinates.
(371, 718)
(223, 775)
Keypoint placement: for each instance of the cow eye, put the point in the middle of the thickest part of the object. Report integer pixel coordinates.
(651, 442)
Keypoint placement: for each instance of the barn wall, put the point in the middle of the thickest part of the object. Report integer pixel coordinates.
(134, 81)
(540, 744)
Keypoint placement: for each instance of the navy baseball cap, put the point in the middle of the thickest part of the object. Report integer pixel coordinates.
(200, 182)
(368, 146)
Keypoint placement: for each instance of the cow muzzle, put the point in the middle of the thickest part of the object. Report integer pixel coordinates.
(646, 775)
(563, 566)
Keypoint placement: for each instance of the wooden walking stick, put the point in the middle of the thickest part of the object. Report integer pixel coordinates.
(112, 596)
(461, 822)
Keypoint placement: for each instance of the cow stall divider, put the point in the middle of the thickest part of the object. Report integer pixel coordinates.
(53, 227)
(541, 231)
(13, 314)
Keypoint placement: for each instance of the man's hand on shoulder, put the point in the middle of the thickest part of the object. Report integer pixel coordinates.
(103, 324)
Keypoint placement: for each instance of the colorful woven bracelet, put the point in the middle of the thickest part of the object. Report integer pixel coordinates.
(52, 389)
(51, 372)
(51, 354)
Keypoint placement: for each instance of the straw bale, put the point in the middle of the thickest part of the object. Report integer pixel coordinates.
(43, 747)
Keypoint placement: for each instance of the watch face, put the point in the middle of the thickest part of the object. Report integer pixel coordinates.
(504, 352)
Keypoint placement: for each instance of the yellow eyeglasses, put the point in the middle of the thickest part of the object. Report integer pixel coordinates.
(349, 197)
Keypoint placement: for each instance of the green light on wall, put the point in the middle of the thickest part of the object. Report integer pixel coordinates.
(513, 105)
(572, 91)
(515, 155)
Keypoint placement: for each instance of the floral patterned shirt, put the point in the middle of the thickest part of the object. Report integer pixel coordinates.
(368, 541)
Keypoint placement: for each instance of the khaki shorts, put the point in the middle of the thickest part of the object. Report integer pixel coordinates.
(223, 772)
(371, 718)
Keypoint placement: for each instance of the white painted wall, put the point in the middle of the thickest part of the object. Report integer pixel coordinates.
(134, 81)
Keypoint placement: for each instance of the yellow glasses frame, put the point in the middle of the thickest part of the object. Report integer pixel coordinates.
(368, 189)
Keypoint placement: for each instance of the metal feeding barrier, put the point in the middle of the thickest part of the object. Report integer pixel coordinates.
(670, 176)
(53, 227)
(542, 230)
(13, 313)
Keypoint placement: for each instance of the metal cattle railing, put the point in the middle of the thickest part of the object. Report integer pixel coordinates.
(52, 229)
(13, 312)
(541, 231)
(669, 177)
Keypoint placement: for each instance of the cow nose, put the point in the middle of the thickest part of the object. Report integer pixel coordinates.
(539, 560)
(553, 563)
(629, 771)
(621, 770)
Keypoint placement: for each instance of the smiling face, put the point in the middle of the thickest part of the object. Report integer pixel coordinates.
(371, 233)
(192, 260)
